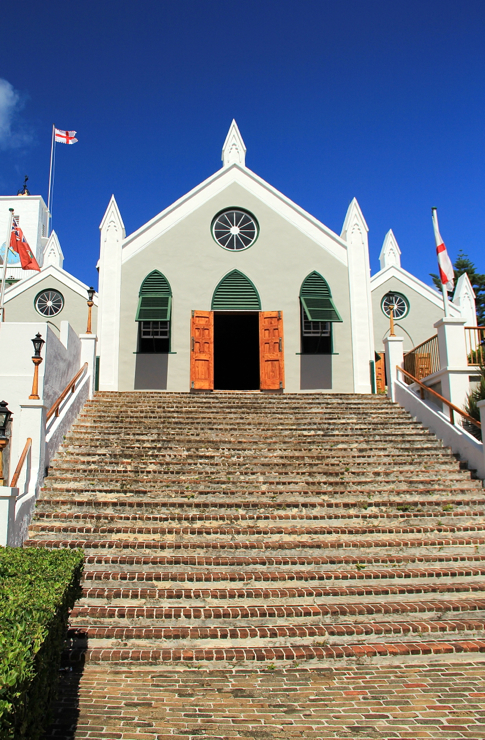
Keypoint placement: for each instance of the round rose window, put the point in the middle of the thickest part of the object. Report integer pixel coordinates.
(49, 303)
(234, 229)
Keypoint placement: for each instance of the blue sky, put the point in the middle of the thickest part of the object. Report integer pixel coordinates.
(384, 101)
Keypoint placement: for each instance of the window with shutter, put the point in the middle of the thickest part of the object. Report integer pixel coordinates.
(318, 313)
(154, 313)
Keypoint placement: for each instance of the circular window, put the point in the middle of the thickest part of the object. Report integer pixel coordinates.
(49, 303)
(235, 229)
(397, 302)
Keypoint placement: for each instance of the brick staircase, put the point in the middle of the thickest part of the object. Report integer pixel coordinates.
(242, 531)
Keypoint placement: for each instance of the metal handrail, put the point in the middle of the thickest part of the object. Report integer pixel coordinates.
(450, 405)
(71, 386)
(20, 463)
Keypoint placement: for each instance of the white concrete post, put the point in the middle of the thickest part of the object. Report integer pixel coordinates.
(393, 347)
(481, 406)
(31, 423)
(88, 354)
(454, 368)
(8, 498)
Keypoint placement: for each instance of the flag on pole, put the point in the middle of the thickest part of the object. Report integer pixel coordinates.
(65, 137)
(447, 274)
(19, 244)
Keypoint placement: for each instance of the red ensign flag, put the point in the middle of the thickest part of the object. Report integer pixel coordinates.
(65, 137)
(19, 244)
(447, 274)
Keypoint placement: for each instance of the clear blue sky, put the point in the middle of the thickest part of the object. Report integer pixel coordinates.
(381, 100)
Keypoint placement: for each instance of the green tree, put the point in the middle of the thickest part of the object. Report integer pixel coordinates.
(463, 264)
(478, 394)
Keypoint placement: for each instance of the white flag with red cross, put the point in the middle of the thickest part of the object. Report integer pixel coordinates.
(65, 137)
(447, 274)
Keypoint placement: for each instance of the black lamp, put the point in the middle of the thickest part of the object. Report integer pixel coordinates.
(38, 343)
(5, 416)
(91, 293)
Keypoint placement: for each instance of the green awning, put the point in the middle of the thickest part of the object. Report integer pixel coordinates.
(316, 299)
(318, 308)
(154, 307)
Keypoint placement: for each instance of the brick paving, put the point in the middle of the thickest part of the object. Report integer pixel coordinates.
(267, 566)
(446, 700)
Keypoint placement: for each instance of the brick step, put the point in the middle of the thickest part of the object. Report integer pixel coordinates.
(421, 446)
(54, 488)
(156, 480)
(82, 633)
(105, 517)
(145, 593)
(234, 531)
(268, 576)
(107, 461)
(298, 545)
(290, 653)
(245, 561)
(87, 614)
(405, 506)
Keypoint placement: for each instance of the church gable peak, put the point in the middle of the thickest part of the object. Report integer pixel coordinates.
(390, 253)
(234, 149)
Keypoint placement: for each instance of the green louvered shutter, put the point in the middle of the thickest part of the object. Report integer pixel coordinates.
(236, 292)
(155, 298)
(317, 300)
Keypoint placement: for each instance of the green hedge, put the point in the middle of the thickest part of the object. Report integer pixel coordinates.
(37, 589)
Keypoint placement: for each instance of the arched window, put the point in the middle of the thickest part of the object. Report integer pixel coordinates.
(235, 292)
(154, 313)
(318, 313)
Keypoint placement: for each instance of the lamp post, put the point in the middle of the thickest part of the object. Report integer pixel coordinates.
(91, 293)
(391, 316)
(38, 342)
(5, 417)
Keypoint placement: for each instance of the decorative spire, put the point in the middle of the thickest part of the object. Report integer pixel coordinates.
(390, 252)
(234, 149)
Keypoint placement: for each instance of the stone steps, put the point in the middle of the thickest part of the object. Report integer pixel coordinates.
(233, 529)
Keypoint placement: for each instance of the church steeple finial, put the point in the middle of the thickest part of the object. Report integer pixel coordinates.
(25, 190)
(234, 149)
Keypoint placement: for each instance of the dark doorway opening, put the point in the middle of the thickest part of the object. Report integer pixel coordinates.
(236, 352)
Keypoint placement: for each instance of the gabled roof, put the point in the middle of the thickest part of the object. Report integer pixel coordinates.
(254, 184)
(414, 283)
(50, 271)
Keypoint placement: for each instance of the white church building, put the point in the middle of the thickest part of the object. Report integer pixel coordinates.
(236, 287)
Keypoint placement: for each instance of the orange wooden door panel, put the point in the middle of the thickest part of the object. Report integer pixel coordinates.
(202, 350)
(271, 350)
(380, 373)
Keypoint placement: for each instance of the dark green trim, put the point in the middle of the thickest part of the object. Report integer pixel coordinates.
(316, 299)
(155, 284)
(96, 375)
(154, 353)
(154, 307)
(235, 292)
(372, 369)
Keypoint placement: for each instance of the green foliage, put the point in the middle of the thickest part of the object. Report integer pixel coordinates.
(462, 265)
(471, 404)
(37, 589)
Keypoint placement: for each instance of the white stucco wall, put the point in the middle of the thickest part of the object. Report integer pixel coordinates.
(277, 264)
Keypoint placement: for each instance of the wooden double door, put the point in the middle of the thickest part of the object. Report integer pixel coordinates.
(271, 350)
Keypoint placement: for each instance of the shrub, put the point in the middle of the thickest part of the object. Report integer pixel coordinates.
(478, 394)
(37, 589)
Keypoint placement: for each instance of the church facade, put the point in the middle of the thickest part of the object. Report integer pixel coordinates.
(235, 287)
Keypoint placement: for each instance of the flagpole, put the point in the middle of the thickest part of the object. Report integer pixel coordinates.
(50, 180)
(5, 260)
(434, 217)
